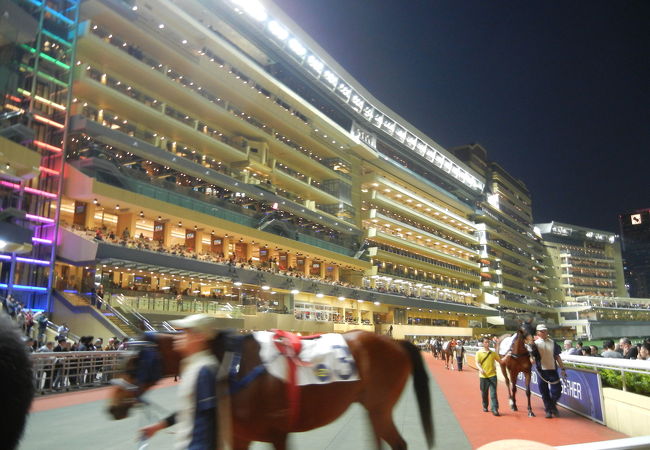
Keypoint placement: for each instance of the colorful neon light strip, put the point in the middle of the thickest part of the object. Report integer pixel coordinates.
(41, 241)
(29, 190)
(48, 171)
(47, 121)
(46, 57)
(41, 144)
(40, 262)
(39, 218)
(14, 98)
(44, 76)
(42, 100)
(20, 287)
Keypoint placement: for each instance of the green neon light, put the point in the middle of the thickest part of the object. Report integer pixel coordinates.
(45, 76)
(46, 57)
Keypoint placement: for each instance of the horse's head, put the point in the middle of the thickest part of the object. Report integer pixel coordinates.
(142, 368)
(524, 335)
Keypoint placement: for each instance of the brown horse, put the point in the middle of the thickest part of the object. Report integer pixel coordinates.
(448, 354)
(515, 361)
(260, 410)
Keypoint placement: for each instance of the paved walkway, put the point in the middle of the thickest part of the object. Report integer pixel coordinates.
(462, 392)
(78, 421)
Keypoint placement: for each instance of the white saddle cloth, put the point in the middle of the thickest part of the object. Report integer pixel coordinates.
(326, 359)
(505, 344)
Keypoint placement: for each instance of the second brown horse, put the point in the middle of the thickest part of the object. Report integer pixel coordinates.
(516, 361)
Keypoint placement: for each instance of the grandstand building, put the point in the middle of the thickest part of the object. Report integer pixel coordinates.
(217, 160)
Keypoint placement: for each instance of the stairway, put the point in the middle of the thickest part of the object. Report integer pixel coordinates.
(128, 330)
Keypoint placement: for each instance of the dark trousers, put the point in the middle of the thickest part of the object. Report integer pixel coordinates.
(489, 384)
(459, 361)
(551, 393)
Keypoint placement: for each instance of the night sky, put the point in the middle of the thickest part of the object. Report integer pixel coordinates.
(558, 92)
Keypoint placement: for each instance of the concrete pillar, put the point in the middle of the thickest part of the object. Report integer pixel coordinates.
(308, 262)
(291, 260)
(124, 221)
(335, 272)
(323, 269)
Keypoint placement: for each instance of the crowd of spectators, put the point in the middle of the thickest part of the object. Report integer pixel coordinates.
(142, 242)
(623, 349)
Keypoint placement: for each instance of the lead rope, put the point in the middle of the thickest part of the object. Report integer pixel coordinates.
(148, 417)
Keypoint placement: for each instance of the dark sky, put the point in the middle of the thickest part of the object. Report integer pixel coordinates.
(558, 92)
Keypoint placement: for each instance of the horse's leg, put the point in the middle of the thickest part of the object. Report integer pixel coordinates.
(280, 442)
(513, 377)
(504, 371)
(384, 428)
(530, 409)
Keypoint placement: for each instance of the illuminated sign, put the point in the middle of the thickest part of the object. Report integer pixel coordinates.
(361, 135)
(636, 219)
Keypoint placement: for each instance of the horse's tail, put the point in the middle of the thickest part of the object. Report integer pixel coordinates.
(421, 386)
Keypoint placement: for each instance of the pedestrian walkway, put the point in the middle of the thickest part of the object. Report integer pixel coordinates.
(461, 389)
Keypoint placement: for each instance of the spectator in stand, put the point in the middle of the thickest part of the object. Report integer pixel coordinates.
(62, 346)
(644, 352)
(30, 344)
(569, 349)
(42, 322)
(629, 351)
(16, 385)
(48, 347)
(63, 331)
(29, 322)
(586, 351)
(594, 350)
(609, 350)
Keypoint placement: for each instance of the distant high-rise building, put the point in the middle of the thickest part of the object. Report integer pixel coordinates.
(583, 262)
(635, 240)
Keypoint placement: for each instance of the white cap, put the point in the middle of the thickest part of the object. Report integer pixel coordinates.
(541, 327)
(202, 323)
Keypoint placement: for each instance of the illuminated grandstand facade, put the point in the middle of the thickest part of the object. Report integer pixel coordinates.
(218, 160)
(584, 262)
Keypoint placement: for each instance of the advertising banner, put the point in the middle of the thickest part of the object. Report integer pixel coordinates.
(581, 392)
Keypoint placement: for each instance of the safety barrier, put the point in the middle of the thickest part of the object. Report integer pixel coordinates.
(65, 371)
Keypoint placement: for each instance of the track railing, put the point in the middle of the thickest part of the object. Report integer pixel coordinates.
(65, 371)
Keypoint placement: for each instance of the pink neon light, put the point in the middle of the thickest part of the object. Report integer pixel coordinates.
(33, 261)
(39, 218)
(30, 190)
(27, 260)
(47, 146)
(48, 170)
(48, 121)
(42, 241)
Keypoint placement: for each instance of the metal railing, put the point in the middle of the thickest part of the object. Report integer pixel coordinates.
(65, 371)
(620, 365)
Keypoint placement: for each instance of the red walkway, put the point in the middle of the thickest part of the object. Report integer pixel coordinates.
(461, 390)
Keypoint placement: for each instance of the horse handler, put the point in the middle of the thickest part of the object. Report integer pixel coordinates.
(197, 414)
(486, 361)
(547, 359)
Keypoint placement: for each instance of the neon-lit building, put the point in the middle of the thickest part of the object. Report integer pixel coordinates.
(218, 160)
(38, 53)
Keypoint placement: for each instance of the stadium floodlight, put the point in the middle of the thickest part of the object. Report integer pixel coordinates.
(253, 8)
(278, 30)
(315, 64)
(297, 47)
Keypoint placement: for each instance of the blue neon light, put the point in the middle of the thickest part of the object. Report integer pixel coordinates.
(20, 287)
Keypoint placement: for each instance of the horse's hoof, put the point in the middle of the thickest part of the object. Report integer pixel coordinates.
(531, 414)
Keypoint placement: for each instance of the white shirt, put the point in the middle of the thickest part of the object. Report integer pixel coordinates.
(546, 349)
(191, 366)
